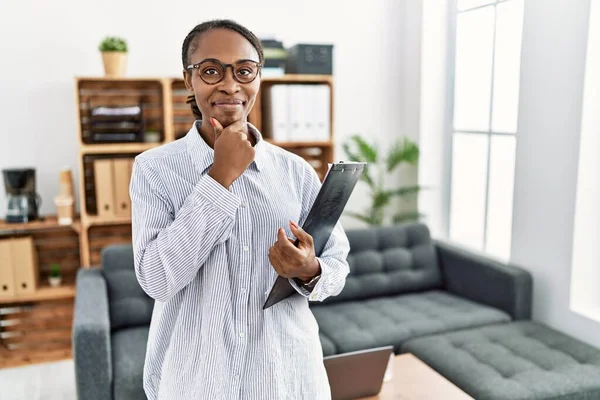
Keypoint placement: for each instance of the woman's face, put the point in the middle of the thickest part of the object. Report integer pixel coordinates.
(228, 100)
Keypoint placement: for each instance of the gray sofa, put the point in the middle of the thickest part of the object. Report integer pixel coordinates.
(110, 329)
(404, 285)
(404, 289)
(521, 360)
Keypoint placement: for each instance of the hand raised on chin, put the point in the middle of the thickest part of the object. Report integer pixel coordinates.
(233, 152)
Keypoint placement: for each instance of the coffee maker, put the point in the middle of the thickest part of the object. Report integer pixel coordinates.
(22, 200)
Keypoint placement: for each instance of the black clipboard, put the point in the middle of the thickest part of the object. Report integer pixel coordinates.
(324, 214)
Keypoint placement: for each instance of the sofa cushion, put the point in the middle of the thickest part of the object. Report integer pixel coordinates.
(128, 356)
(389, 260)
(515, 361)
(393, 320)
(129, 305)
(328, 346)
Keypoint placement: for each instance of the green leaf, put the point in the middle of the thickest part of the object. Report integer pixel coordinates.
(366, 177)
(364, 218)
(405, 191)
(111, 43)
(350, 154)
(54, 270)
(366, 152)
(406, 151)
(381, 199)
(407, 217)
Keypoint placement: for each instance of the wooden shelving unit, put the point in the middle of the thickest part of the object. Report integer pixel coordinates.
(152, 95)
(65, 291)
(116, 148)
(163, 101)
(36, 326)
(299, 144)
(43, 224)
(319, 154)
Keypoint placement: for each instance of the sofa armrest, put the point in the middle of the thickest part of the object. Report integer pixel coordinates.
(91, 337)
(481, 279)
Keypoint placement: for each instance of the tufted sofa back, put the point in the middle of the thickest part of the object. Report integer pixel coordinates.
(387, 261)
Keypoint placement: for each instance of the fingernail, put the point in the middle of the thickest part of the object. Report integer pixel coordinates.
(212, 122)
(295, 225)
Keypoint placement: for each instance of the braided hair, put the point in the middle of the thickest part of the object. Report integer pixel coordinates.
(190, 44)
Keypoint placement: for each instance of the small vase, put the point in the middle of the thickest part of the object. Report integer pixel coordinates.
(114, 63)
(54, 281)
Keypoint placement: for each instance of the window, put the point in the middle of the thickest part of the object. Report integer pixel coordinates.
(484, 123)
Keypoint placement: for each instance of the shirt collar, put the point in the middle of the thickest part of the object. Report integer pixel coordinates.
(203, 155)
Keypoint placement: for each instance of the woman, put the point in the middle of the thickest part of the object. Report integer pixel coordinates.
(214, 217)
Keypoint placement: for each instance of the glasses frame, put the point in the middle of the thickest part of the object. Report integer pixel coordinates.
(225, 66)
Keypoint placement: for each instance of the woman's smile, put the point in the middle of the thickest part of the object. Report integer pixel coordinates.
(229, 104)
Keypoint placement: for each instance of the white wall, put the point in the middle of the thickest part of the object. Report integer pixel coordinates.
(585, 273)
(552, 76)
(45, 44)
(433, 138)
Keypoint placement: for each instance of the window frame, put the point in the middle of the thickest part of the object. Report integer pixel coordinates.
(450, 131)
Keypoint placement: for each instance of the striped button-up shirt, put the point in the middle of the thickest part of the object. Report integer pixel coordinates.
(201, 252)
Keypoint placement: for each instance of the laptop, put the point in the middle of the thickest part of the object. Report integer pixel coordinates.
(358, 373)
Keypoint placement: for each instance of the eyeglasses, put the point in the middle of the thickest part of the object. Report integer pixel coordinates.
(212, 71)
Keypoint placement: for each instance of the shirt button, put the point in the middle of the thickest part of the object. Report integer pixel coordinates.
(243, 290)
(244, 204)
(246, 248)
(241, 334)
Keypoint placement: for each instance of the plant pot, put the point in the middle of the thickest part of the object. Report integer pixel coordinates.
(55, 281)
(114, 63)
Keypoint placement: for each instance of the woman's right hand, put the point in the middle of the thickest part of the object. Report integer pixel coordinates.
(233, 152)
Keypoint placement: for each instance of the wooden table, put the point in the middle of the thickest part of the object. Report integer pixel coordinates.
(414, 380)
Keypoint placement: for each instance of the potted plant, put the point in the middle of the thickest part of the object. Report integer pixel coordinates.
(403, 151)
(114, 56)
(55, 277)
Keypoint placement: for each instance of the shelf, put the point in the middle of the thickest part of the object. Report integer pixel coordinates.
(117, 78)
(65, 291)
(118, 148)
(49, 222)
(96, 220)
(12, 359)
(291, 78)
(300, 144)
(287, 78)
(76, 225)
(298, 78)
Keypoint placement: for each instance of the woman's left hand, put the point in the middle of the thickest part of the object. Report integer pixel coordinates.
(294, 262)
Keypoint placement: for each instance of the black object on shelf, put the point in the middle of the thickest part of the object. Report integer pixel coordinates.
(22, 200)
(110, 124)
(274, 53)
(310, 59)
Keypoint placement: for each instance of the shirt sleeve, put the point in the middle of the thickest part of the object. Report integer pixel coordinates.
(169, 250)
(333, 259)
